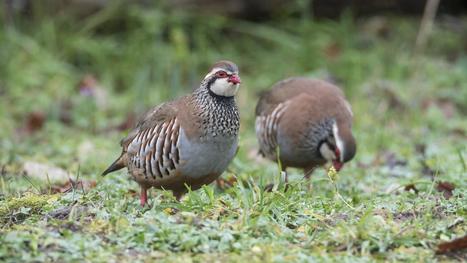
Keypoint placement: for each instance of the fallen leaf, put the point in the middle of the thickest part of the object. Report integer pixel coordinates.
(226, 183)
(446, 188)
(45, 172)
(452, 246)
(70, 185)
(332, 51)
(33, 122)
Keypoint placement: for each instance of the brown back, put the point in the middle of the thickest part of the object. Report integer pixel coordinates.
(309, 101)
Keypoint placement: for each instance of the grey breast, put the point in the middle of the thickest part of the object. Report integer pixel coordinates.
(204, 156)
(307, 150)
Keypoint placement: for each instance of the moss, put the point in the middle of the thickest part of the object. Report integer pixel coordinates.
(25, 205)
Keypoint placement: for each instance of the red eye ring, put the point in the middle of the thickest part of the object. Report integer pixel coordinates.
(221, 74)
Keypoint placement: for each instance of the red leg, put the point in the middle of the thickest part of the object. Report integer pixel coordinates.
(144, 196)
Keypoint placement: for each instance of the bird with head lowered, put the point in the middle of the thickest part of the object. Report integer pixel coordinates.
(305, 123)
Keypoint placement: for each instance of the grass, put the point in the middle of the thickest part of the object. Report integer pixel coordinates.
(409, 123)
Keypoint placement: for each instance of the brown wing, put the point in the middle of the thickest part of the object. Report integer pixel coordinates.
(266, 130)
(307, 100)
(148, 128)
(153, 152)
(289, 88)
(153, 117)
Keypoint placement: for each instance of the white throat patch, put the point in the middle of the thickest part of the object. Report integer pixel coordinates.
(327, 153)
(222, 87)
(339, 142)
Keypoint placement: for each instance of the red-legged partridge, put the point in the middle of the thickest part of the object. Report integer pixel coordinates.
(308, 122)
(189, 141)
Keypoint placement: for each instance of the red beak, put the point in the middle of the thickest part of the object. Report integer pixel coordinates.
(337, 165)
(234, 79)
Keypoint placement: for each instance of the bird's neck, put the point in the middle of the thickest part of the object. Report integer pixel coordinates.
(317, 134)
(218, 114)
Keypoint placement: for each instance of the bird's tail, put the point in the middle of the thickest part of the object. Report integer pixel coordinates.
(117, 165)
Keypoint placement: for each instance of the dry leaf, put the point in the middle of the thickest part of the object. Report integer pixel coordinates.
(452, 246)
(70, 185)
(332, 51)
(446, 188)
(33, 122)
(226, 183)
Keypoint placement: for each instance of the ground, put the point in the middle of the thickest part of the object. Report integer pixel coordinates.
(70, 89)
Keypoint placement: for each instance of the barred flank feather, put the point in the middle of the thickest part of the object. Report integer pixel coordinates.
(266, 130)
(155, 150)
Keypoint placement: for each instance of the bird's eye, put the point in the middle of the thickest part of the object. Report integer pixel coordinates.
(221, 74)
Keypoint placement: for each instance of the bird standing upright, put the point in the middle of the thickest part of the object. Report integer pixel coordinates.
(189, 141)
(307, 122)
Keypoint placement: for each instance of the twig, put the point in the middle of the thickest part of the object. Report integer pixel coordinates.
(426, 25)
(8, 13)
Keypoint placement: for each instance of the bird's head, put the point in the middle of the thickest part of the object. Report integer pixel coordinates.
(223, 79)
(339, 147)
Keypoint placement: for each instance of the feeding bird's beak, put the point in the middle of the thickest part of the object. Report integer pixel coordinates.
(235, 79)
(337, 165)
